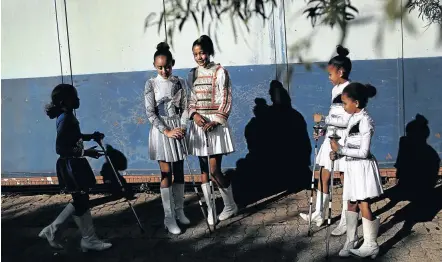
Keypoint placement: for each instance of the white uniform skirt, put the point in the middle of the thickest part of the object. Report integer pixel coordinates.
(162, 148)
(362, 180)
(323, 158)
(220, 140)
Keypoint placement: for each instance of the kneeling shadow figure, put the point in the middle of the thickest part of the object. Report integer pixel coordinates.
(119, 162)
(417, 169)
(279, 150)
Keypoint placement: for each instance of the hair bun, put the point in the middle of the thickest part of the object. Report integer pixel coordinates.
(205, 38)
(163, 46)
(370, 90)
(342, 51)
(421, 119)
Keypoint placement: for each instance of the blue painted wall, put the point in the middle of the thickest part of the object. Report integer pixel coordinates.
(113, 103)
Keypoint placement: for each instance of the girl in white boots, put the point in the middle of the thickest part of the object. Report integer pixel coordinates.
(339, 68)
(362, 180)
(209, 107)
(166, 108)
(73, 170)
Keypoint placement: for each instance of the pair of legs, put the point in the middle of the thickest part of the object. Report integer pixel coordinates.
(172, 195)
(324, 180)
(322, 199)
(224, 185)
(215, 171)
(370, 226)
(363, 206)
(175, 169)
(79, 209)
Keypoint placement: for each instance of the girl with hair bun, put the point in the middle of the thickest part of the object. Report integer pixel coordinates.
(339, 68)
(166, 108)
(362, 180)
(210, 104)
(75, 175)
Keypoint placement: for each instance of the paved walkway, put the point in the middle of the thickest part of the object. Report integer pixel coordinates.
(271, 230)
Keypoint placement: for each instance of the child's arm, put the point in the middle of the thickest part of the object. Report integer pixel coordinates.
(97, 136)
(192, 96)
(184, 105)
(339, 120)
(149, 99)
(366, 129)
(225, 88)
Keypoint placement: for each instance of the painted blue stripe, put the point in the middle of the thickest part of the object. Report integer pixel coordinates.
(113, 103)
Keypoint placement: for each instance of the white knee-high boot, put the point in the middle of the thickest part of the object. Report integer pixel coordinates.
(342, 226)
(230, 207)
(319, 215)
(89, 240)
(370, 246)
(206, 191)
(178, 194)
(352, 235)
(169, 211)
(49, 231)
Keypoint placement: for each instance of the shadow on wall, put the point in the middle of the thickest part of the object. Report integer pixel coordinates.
(279, 150)
(417, 168)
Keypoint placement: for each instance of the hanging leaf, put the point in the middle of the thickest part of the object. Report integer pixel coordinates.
(160, 23)
(202, 19)
(180, 27)
(196, 20)
(148, 20)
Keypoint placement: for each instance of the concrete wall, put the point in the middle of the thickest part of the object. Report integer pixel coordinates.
(109, 54)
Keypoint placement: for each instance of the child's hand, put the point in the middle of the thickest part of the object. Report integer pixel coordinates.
(199, 120)
(92, 152)
(334, 145)
(317, 118)
(210, 126)
(316, 136)
(176, 133)
(97, 136)
(333, 156)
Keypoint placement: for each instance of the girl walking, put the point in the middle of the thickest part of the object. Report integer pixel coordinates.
(73, 170)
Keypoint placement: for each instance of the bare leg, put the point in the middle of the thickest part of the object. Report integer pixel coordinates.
(166, 174)
(366, 210)
(341, 177)
(324, 181)
(353, 206)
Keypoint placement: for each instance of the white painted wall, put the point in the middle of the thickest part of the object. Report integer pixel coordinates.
(29, 39)
(111, 38)
(108, 36)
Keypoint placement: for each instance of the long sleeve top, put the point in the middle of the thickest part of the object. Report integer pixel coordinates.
(211, 92)
(166, 99)
(358, 140)
(69, 142)
(337, 117)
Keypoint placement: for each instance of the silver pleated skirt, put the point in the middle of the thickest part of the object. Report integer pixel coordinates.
(220, 140)
(162, 148)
